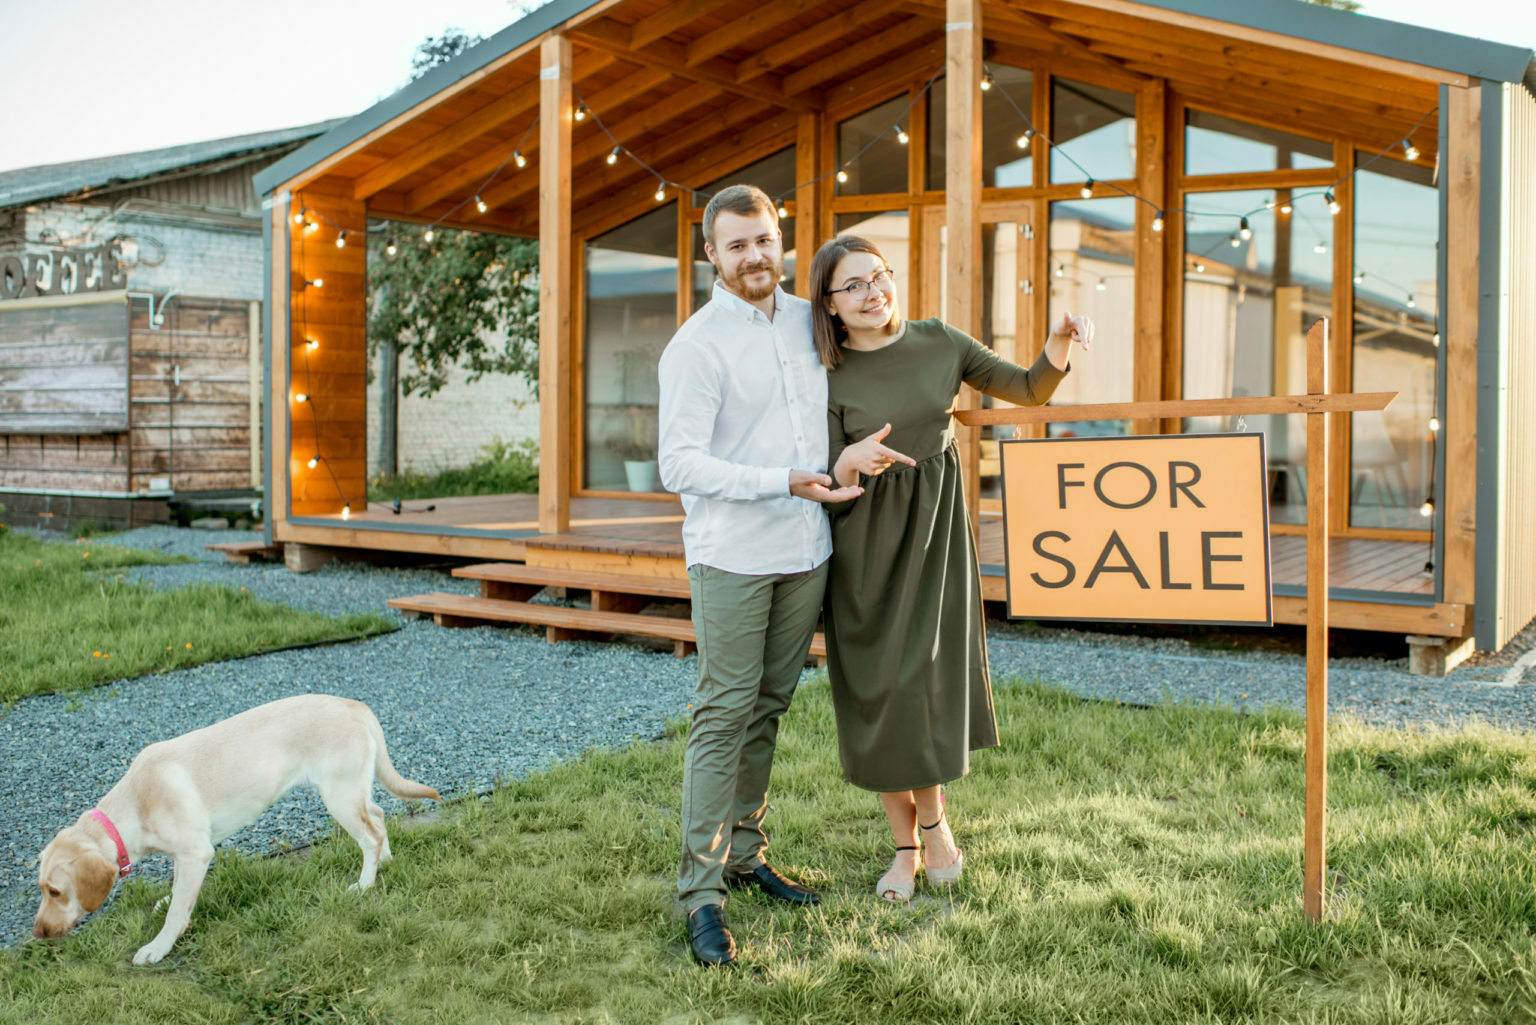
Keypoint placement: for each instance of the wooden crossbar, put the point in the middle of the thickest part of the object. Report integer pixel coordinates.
(546, 576)
(1338, 402)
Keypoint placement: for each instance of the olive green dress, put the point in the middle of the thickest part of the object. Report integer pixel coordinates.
(906, 642)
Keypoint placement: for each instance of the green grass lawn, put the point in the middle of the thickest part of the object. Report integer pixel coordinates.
(1122, 865)
(69, 619)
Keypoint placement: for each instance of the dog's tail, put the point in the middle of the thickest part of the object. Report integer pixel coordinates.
(384, 769)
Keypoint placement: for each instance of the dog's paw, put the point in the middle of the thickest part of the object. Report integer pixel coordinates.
(151, 953)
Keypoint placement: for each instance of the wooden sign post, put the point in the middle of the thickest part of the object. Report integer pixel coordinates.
(1316, 404)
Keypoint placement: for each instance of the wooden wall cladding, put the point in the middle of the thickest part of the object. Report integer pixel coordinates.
(64, 368)
(330, 425)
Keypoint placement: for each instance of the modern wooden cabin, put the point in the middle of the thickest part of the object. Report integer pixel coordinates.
(1204, 178)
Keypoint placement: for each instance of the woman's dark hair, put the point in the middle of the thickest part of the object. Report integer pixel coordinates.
(826, 327)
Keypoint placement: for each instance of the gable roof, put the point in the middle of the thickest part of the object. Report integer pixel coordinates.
(52, 181)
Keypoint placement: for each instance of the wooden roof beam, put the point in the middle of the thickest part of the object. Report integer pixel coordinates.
(669, 19)
(872, 48)
(787, 51)
(751, 21)
(477, 168)
(613, 37)
(901, 70)
(1008, 11)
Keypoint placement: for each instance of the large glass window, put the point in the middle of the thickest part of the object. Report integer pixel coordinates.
(870, 151)
(1392, 452)
(1248, 303)
(1094, 126)
(1222, 145)
(891, 232)
(1004, 109)
(631, 314)
(1092, 271)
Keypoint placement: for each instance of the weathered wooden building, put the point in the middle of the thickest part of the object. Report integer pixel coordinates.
(130, 346)
(1204, 178)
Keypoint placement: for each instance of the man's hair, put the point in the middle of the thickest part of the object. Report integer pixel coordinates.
(743, 200)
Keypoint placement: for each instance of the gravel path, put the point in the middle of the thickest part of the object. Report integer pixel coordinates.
(462, 709)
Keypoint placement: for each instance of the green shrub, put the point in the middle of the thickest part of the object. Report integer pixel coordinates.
(505, 468)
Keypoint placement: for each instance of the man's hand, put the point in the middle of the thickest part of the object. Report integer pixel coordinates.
(869, 457)
(817, 487)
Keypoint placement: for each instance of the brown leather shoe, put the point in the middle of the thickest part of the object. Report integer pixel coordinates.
(709, 938)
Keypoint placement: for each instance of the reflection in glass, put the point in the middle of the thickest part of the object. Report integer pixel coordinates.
(1004, 164)
(1092, 271)
(891, 232)
(704, 274)
(1247, 307)
(882, 167)
(773, 174)
(631, 314)
(1222, 145)
(1392, 453)
(1095, 126)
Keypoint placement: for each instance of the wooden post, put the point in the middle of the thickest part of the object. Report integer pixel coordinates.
(1462, 168)
(1314, 862)
(1151, 111)
(962, 211)
(555, 439)
(807, 208)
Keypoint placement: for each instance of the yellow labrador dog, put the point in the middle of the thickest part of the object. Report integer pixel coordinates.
(181, 796)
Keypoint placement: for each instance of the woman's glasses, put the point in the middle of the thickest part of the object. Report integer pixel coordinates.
(881, 279)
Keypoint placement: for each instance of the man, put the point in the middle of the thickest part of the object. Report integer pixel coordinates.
(744, 442)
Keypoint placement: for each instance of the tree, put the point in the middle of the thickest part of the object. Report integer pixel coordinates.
(467, 298)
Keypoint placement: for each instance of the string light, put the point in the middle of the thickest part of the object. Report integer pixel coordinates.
(1157, 221)
(581, 112)
(1269, 204)
(1320, 248)
(902, 136)
(1234, 241)
(1359, 277)
(1410, 150)
(1243, 231)
(1087, 190)
(310, 224)
(1101, 286)
(480, 204)
(300, 397)
(1061, 270)
(301, 216)
(314, 462)
(986, 81)
(783, 211)
(613, 156)
(313, 344)
(1026, 139)
(1427, 509)
(661, 191)
(346, 511)
(389, 247)
(1435, 341)
(1333, 204)
(1411, 303)
(429, 234)
(341, 240)
(1285, 208)
(316, 282)
(1434, 423)
(842, 175)
(519, 159)
(1199, 267)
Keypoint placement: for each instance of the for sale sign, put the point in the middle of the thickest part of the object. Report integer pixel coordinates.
(1144, 529)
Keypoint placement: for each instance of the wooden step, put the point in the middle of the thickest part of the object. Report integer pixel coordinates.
(598, 544)
(459, 610)
(247, 551)
(518, 582)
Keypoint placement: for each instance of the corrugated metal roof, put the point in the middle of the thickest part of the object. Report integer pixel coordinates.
(49, 181)
(1379, 36)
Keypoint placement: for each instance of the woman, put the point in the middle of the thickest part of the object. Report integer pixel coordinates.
(906, 643)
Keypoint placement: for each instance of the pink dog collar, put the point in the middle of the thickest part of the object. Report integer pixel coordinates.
(123, 864)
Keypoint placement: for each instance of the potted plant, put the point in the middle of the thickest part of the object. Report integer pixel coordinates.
(639, 453)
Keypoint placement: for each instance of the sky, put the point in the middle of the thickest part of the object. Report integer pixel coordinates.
(89, 78)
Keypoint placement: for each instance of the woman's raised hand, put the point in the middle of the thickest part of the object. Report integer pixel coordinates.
(1074, 329)
(869, 457)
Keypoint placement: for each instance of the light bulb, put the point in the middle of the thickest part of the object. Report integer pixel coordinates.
(300, 397)
(318, 282)
(1244, 232)
(1411, 303)
(519, 159)
(902, 136)
(1333, 204)
(311, 224)
(1436, 340)
(1087, 190)
(389, 248)
(346, 511)
(1285, 208)
(1157, 222)
(1410, 150)
(783, 211)
(581, 112)
(661, 192)
(1024, 140)
(1427, 509)
(1234, 241)
(298, 218)
(842, 175)
(429, 235)
(1101, 286)
(1320, 248)
(986, 82)
(480, 204)
(1061, 270)
(1359, 277)
(341, 240)
(313, 344)
(613, 157)
(313, 463)
(1269, 204)
(1434, 423)
(1199, 267)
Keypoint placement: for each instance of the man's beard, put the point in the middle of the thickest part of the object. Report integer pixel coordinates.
(752, 293)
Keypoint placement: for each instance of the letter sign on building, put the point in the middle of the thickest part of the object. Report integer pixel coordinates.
(1140, 529)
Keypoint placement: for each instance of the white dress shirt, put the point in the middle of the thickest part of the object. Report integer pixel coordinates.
(744, 401)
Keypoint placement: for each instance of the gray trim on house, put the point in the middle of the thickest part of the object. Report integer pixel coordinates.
(52, 181)
(266, 376)
(1490, 357)
(425, 87)
(1442, 365)
(1462, 54)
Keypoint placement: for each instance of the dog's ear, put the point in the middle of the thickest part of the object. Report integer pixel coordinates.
(94, 876)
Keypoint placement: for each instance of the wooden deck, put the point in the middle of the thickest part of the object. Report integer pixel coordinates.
(644, 538)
